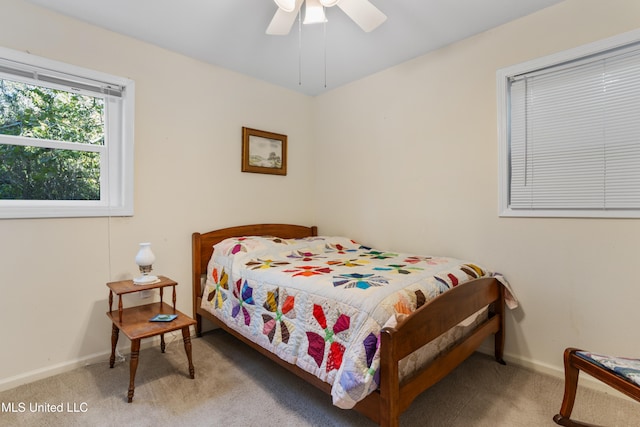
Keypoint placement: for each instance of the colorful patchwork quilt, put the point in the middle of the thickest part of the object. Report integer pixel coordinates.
(320, 302)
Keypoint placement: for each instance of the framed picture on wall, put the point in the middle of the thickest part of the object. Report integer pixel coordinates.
(264, 152)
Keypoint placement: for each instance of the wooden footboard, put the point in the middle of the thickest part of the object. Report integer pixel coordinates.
(428, 323)
(423, 326)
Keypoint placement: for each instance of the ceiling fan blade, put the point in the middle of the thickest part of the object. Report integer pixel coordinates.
(363, 13)
(282, 21)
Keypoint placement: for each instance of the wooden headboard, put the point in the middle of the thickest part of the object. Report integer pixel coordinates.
(202, 245)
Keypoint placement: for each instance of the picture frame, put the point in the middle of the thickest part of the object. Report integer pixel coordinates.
(264, 152)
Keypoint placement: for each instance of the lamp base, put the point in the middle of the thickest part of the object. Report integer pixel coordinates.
(146, 280)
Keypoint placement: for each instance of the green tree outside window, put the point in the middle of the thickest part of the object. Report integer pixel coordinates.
(44, 173)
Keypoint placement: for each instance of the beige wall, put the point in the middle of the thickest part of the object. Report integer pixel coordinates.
(416, 147)
(419, 142)
(189, 117)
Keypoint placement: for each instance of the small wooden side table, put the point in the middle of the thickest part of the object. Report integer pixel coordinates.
(135, 323)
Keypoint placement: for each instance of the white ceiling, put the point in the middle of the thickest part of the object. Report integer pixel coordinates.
(231, 34)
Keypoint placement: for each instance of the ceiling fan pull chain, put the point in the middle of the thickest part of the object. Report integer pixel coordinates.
(300, 47)
(324, 25)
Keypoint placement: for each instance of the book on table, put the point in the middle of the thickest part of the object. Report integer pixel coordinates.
(163, 317)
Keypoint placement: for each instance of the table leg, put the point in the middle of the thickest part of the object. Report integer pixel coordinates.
(186, 337)
(114, 341)
(135, 352)
(174, 299)
(162, 346)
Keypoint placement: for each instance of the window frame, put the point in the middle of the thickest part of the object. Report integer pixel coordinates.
(116, 155)
(503, 103)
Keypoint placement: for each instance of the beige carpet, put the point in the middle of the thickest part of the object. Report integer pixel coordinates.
(235, 386)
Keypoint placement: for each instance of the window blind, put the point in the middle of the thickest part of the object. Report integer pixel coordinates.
(40, 76)
(575, 135)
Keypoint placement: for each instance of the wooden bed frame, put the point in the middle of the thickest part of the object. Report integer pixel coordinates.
(393, 397)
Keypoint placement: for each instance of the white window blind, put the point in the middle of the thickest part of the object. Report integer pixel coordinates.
(47, 77)
(573, 136)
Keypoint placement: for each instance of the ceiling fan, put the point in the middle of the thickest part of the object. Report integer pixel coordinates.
(362, 12)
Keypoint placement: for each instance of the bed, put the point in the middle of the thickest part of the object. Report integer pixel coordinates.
(461, 307)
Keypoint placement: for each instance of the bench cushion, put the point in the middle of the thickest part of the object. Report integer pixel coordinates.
(629, 369)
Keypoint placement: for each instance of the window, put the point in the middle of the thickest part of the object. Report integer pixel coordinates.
(570, 132)
(66, 140)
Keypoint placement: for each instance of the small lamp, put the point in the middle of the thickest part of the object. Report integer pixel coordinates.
(145, 259)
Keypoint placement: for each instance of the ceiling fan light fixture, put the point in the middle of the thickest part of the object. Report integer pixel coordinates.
(362, 12)
(329, 3)
(314, 12)
(286, 5)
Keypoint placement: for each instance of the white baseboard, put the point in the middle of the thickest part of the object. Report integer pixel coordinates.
(49, 371)
(102, 357)
(554, 371)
